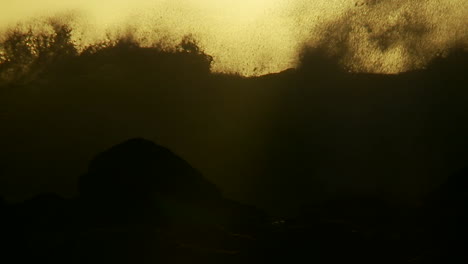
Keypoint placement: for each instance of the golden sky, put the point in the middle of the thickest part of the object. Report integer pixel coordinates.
(254, 37)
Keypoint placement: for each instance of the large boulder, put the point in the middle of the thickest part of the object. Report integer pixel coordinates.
(139, 173)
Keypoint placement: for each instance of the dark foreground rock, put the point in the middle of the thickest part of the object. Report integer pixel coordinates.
(140, 203)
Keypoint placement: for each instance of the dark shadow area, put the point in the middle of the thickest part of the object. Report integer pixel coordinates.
(140, 203)
(351, 167)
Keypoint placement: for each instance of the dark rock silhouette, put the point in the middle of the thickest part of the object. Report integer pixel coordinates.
(139, 176)
(139, 171)
(141, 203)
(138, 203)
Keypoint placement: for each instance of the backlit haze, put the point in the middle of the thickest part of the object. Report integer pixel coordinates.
(255, 37)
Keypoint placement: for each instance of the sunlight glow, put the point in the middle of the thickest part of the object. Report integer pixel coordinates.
(254, 37)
